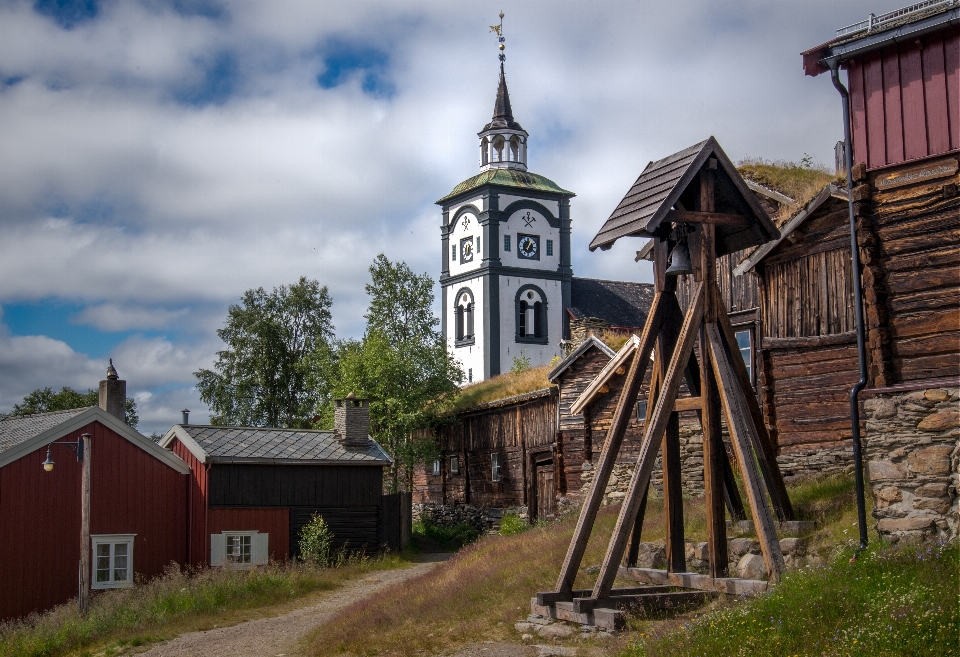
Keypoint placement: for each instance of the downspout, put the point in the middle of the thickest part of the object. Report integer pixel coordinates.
(858, 310)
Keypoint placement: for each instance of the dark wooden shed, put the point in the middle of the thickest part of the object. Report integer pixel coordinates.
(266, 484)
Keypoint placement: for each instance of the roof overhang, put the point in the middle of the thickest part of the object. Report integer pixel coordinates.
(81, 420)
(178, 432)
(592, 342)
(619, 360)
(830, 191)
(817, 60)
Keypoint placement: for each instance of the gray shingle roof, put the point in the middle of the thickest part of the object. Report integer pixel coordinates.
(619, 303)
(269, 444)
(17, 429)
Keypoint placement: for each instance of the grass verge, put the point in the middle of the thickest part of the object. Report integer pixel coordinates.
(891, 601)
(172, 604)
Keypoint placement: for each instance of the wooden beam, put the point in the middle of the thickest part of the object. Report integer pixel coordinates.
(653, 435)
(714, 457)
(739, 424)
(767, 451)
(687, 404)
(633, 552)
(728, 585)
(670, 459)
(611, 447)
(713, 218)
(661, 601)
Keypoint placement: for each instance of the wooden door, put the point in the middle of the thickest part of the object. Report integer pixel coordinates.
(545, 491)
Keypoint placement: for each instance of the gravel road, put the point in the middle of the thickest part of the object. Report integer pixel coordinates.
(280, 636)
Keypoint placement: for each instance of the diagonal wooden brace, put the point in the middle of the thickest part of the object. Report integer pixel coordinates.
(650, 446)
(621, 416)
(740, 425)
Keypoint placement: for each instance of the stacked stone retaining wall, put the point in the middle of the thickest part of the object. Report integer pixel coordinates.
(912, 450)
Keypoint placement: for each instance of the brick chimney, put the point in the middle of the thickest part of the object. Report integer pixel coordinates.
(113, 394)
(351, 421)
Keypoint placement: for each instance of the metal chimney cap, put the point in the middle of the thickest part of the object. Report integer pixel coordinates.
(351, 395)
(112, 372)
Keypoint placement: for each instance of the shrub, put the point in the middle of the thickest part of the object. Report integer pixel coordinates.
(451, 537)
(521, 363)
(315, 538)
(512, 524)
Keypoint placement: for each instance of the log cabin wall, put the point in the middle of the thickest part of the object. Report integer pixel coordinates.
(575, 436)
(514, 429)
(910, 245)
(808, 356)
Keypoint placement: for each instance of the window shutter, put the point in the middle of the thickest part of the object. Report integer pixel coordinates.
(218, 549)
(538, 320)
(470, 320)
(260, 549)
(522, 318)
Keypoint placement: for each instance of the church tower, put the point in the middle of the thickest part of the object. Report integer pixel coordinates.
(505, 238)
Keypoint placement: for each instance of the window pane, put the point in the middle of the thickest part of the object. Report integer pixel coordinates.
(246, 543)
(549, 247)
(506, 243)
(743, 342)
(120, 562)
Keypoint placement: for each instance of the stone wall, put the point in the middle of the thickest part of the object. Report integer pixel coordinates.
(800, 463)
(912, 450)
(447, 515)
(691, 469)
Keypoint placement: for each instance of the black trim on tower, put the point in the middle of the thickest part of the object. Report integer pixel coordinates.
(527, 204)
(566, 268)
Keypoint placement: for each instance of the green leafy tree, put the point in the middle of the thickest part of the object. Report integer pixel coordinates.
(267, 375)
(401, 365)
(44, 400)
(315, 540)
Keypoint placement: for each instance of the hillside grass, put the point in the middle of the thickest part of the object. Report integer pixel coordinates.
(891, 601)
(175, 603)
(483, 590)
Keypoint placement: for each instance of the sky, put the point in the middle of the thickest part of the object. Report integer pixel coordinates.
(160, 157)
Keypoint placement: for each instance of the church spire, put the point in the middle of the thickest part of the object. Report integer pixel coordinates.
(503, 142)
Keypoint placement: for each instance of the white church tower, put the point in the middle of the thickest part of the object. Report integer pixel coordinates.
(505, 237)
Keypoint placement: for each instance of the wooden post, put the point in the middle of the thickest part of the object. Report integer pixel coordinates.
(653, 434)
(83, 599)
(714, 458)
(608, 456)
(733, 399)
(670, 459)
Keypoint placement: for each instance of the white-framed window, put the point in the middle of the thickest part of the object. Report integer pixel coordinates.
(239, 549)
(436, 467)
(454, 465)
(495, 467)
(112, 561)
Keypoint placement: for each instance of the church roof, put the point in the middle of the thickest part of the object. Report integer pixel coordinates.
(502, 112)
(619, 303)
(507, 178)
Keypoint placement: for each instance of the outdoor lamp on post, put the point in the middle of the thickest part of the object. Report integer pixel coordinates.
(82, 449)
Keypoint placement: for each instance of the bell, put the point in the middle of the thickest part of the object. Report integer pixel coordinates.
(680, 260)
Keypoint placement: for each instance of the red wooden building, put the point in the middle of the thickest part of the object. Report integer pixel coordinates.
(138, 507)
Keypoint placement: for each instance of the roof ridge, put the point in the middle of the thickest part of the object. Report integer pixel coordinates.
(21, 416)
(608, 280)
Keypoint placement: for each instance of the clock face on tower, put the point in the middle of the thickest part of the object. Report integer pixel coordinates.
(528, 247)
(466, 249)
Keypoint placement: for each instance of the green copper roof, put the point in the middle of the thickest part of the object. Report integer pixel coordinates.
(507, 178)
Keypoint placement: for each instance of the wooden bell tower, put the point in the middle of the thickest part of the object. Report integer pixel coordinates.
(694, 200)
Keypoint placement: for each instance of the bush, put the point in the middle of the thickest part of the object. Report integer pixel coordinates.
(512, 524)
(453, 537)
(521, 363)
(315, 538)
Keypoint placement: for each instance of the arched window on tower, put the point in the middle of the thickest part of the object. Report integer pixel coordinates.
(484, 151)
(464, 324)
(531, 308)
(498, 144)
(514, 149)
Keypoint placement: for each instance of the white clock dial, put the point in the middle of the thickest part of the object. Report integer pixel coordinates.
(528, 246)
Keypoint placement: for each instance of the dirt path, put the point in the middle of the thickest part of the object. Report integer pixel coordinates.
(272, 637)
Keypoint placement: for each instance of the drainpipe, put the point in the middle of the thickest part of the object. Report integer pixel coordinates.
(858, 310)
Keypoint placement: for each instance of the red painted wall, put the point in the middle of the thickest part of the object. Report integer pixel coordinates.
(905, 101)
(275, 522)
(132, 492)
(199, 543)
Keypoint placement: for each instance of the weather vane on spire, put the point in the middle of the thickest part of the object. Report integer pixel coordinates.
(499, 30)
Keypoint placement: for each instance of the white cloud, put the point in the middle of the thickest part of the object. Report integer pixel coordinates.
(114, 317)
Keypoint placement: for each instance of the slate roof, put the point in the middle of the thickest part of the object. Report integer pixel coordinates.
(17, 429)
(618, 303)
(524, 180)
(502, 112)
(666, 182)
(269, 445)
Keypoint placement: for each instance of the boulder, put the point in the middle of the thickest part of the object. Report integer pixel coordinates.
(752, 566)
(904, 524)
(740, 546)
(940, 421)
(793, 546)
(554, 631)
(651, 555)
(936, 395)
(884, 470)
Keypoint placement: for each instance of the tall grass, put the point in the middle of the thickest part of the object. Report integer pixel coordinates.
(168, 605)
(890, 601)
(800, 181)
(478, 594)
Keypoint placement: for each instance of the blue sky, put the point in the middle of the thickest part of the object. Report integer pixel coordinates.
(159, 157)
